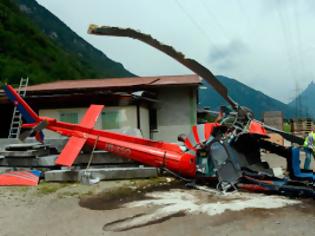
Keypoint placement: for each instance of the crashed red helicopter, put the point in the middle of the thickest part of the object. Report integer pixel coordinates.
(228, 151)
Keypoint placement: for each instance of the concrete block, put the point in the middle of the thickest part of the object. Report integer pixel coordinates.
(102, 174)
(122, 173)
(46, 161)
(62, 176)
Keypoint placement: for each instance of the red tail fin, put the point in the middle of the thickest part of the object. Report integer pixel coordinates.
(74, 145)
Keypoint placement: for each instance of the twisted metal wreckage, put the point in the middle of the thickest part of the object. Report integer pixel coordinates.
(228, 152)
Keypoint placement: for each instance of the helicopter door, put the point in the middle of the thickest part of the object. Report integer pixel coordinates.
(226, 170)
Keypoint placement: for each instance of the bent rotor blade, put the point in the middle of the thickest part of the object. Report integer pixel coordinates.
(178, 56)
(290, 137)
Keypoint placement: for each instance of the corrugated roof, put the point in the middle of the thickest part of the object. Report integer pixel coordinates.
(117, 82)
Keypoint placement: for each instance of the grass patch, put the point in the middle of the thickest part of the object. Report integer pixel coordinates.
(22, 189)
(48, 188)
(89, 193)
(140, 183)
(65, 194)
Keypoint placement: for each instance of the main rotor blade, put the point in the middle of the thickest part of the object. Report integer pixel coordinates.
(290, 137)
(178, 56)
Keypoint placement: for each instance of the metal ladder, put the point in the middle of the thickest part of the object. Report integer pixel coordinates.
(16, 121)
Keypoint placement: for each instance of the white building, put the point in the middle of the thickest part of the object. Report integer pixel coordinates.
(162, 107)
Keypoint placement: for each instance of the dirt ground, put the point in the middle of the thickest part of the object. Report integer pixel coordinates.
(159, 206)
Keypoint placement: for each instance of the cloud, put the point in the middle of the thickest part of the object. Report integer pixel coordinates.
(225, 56)
(268, 5)
(301, 6)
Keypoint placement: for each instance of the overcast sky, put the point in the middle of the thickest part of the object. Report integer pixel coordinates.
(266, 44)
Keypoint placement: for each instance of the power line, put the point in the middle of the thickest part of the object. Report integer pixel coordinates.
(195, 23)
(286, 45)
(298, 33)
(215, 19)
(245, 15)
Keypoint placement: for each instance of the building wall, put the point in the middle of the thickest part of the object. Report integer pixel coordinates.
(176, 112)
(127, 116)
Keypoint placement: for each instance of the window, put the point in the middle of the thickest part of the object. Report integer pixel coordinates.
(70, 117)
(111, 119)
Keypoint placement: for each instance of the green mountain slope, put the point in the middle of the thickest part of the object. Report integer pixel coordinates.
(303, 104)
(26, 51)
(71, 42)
(244, 96)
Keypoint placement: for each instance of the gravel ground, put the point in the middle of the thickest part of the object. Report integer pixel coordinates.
(149, 207)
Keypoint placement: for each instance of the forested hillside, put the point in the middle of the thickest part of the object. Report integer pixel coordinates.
(25, 50)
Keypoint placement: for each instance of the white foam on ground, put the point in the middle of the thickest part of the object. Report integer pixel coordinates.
(178, 201)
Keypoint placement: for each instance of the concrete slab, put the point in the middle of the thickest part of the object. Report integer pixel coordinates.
(47, 161)
(58, 143)
(24, 146)
(102, 174)
(26, 153)
(44, 161)
(20, 162)
(122, 173)
(62, 176)
(44, 158)
(101, 157)
(36, 158)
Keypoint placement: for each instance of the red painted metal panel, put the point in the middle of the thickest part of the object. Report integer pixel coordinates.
(153, 153)
(209, 129)
(18, 178)
(189, 145)
(162, 156)
(199, 134)
(91, 116)
(195, 133)
(252, 187)
(256, 128)
(70, 151)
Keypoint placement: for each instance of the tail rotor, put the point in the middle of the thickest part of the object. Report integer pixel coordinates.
(37, 129)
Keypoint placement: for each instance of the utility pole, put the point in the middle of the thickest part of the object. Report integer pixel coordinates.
(298, 100)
